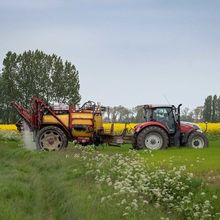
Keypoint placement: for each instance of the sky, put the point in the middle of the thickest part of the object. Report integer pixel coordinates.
(127, 52)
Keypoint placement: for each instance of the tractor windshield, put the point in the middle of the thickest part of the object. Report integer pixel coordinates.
(163, 115)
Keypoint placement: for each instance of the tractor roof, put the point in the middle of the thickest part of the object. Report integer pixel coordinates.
(157, 106)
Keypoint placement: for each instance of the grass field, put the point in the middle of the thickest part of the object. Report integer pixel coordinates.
(82, 183)
(204, 163)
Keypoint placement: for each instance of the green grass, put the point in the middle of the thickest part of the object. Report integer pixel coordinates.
(41, 185)
(203, 163)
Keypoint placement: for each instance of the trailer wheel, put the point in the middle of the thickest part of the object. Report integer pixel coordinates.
(197, 140)
(152, 138)
(51, 138)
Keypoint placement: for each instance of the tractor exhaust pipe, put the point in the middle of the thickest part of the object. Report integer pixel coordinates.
(178, 112)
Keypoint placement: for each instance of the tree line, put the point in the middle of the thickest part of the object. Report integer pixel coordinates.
(34, 73)
(212, 109)
(209, 112)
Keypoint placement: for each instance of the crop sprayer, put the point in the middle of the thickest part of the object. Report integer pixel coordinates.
(54, 126)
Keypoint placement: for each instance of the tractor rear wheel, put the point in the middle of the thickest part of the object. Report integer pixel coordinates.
(197, 140)
(152, 138)
(51, 138)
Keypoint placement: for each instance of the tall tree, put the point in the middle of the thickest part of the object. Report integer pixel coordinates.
(139, 114)
(218, 109)
(214, 108)
(207, 113)
(35, 73)
(186, 115)
(198, 114)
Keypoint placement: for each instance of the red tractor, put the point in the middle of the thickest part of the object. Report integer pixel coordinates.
(163, 128)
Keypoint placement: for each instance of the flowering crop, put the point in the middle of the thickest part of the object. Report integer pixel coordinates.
(212, 128)
(8, 127)
(119, 127)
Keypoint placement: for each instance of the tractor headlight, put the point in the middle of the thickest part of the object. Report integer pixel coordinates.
(137, 129)
(196, 127)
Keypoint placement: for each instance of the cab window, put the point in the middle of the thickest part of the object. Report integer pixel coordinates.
(165, 116)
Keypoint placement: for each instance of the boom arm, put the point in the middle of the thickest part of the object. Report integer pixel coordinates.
(23, 112)
(34, 116)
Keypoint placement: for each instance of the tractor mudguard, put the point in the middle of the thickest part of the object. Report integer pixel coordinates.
(141, 126)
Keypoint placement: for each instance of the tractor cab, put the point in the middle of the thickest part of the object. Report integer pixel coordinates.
(168, 115)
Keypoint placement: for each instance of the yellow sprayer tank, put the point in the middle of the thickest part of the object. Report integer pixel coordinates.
(83, 124)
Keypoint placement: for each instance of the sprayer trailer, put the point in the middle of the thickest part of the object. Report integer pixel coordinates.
(54, 126)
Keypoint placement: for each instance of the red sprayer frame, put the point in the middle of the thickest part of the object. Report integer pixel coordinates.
(33, 117)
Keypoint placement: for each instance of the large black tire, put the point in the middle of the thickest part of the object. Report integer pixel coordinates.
(197, 140)
(152, 138)
(51, 138)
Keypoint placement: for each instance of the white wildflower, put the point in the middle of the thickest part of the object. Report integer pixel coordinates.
(123, 201)
(215, 197)
(125, 214)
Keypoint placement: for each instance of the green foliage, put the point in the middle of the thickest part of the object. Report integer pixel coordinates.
(35, 73)
(186, 115)
(83, 183)
(211, 111)
(218, 109)
(214, 108)
(10, 136)
(140, 114)
(40, 185)
(208, 109)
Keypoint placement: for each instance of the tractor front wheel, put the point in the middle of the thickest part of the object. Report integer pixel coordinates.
(197, 140)
(51, 138)
(152, 138)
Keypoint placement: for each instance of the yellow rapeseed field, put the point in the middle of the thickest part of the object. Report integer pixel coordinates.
(212, 128)
(10, 127)
(118, 127)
